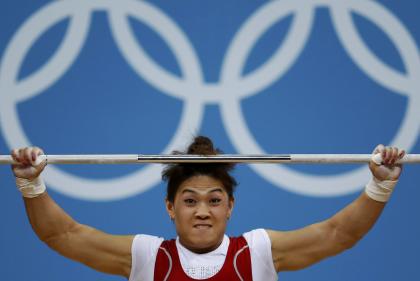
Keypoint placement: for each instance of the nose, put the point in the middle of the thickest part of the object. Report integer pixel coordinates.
(202, 211)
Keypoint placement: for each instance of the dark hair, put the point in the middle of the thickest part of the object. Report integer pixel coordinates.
(176, 174)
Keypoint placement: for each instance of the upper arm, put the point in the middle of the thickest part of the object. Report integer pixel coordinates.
(293, 250)
(96, 249)
(300, 248)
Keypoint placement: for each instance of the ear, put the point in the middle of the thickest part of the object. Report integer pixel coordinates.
(230, 205)
(170, 208)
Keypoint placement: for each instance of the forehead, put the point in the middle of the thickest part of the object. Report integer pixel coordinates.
(201, 182)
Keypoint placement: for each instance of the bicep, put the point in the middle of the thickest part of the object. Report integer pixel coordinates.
(293, 250)
(96, 249)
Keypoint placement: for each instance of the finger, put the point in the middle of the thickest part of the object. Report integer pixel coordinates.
(390, 152)
(394, 155)
(15, 156)
(379, 149)
(14, 153)
(36, 151)
(389, 155)
(27, 155)
(401, 154)
(33, 155)
(397, 154)
(385, 155)
(19, 156)
(39, 162)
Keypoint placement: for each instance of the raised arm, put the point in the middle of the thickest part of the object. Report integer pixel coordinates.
(293, 250)
(94, 248)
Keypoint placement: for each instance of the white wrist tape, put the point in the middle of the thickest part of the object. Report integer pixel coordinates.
(380, 190)
(31, 188)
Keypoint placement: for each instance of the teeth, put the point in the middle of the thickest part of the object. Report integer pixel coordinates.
(202, 226)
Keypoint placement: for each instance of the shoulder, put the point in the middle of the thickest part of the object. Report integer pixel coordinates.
(258, 238)
(143, 255)
(144, 242)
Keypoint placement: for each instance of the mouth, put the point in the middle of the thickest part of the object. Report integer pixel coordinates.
(202, 226)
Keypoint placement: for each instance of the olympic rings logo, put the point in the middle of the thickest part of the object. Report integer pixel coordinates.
(195, 92)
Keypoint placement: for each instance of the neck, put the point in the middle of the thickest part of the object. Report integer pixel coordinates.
(201, 250)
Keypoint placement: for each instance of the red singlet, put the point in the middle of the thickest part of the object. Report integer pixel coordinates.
(237, 265)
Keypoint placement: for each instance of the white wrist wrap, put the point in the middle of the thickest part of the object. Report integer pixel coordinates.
(31, 188)
(380, 190)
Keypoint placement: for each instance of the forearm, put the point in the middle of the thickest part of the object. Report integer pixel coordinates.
(96, 249)
(293, 250)
(56, 228)
(300, 248)
(355, 220)
(48, 220)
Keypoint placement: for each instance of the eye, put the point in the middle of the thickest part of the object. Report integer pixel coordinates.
(215, 201)
(189, 201)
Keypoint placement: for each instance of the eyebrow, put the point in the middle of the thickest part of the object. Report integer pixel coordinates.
(218, 189)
